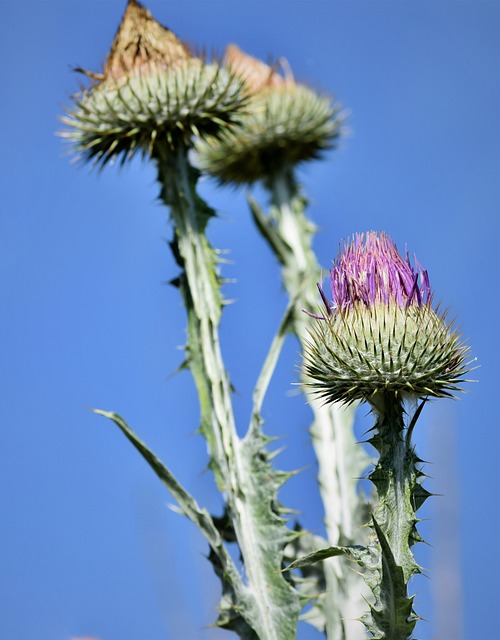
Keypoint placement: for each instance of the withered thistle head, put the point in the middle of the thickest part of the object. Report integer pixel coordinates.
(152, 92)
(285, 123)
(380, 332)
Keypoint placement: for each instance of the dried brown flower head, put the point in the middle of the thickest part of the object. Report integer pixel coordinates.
(257, 74)
(142, 40)
(153, 93)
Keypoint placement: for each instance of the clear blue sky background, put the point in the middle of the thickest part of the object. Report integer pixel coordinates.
(87, 543)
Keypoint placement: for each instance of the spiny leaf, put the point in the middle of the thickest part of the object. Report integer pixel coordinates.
(393, 615)
(361, 555)
(200, 517)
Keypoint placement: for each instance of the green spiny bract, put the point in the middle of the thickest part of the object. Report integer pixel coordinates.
(152, 92)
(360, 351)
(161, 107)
(285, 124)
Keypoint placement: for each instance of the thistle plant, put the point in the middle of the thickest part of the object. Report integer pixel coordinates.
(285, 125)
(154, 97)
(380, 340)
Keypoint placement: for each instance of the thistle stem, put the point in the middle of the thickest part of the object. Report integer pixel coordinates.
(397, 479)
(272, 605)
(200, 288)
(340, 460)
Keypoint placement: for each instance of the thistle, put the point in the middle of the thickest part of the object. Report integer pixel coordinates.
(380, 340)
(154, 97)
(381, 334)
(286, 124)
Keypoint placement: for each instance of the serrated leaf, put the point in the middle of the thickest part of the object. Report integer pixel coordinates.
(359, 554)
(238, 608)
(393, 616)
(316, 556)
(200, 517)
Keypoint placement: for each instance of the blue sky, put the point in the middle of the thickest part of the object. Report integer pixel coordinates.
(88, 546)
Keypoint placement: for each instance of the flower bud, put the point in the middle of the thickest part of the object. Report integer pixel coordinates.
(380, 332)
(285, 124)
(152, 92)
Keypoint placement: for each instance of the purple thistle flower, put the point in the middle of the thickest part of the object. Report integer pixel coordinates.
(370, 270)
(380, 333)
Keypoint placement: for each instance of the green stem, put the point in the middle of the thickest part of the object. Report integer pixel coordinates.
(340, 459)
(272, 605)
(397, 478)
(200, 288)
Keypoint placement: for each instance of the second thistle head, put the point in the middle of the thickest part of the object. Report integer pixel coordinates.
(285, 124)
(380, 332)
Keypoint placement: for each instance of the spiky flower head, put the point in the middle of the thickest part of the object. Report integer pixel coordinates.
(152, 91)
(380, 332)
(286, 123)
